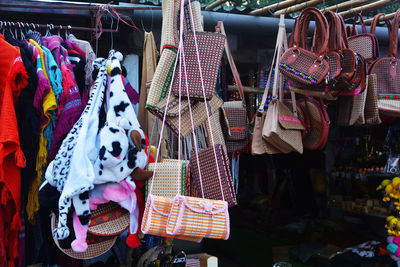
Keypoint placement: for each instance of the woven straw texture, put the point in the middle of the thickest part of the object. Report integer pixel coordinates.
(371, 102)
(209, 175)
(216, 130)
(162, 78)
(198, 223)
(317, 137)
(155, 218)
(284, 136)
(199, 116)
(93, 250)
(348, 63)
(333, 59)
(386, 84)
(109, 220)
(302, 64)
(259, 145)
(389, 107)
(239, 127)
(211, 46)
(360, 99)
(350, 108)
(363, 44)
(173, 106)
(170, 175)
(169, 30)
(197, 18)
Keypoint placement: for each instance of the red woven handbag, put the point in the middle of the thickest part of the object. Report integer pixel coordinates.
(387, 72)
(364, 43)
(307, 67)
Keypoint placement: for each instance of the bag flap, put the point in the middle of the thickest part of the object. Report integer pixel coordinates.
(287, 119)
(173, 106)
(237, 133)
(202, 205)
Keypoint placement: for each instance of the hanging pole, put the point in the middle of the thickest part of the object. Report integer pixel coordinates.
(274, 7)
(375, 5)
(297, 7)
(214, 4)
(347, 4)
(383, 18)
(55, 27)
(81, 7)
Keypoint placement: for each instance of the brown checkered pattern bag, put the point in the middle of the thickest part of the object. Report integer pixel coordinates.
(387, 72)
(210, 48)
(210, 187)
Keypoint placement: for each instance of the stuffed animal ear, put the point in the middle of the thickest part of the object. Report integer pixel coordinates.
(136, 139)
(141, 175)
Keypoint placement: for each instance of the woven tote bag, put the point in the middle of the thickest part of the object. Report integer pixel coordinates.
(319, 121)
(351, 109)
(191, 216)
(371, 111)
(207, 184)
(165, 182)
(204, 49)
(387, 72)
(281, 127)
(365, 44)
(198, 112)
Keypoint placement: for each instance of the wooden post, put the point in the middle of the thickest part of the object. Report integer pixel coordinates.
(297, 7)
(374, 5)
(275, 7)
(347, 4)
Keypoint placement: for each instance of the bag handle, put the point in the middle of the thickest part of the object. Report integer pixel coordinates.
(363, 28)
(221, 29)
(375, 21)
(274, 59)
(394, 36)
(304, 21)
(344, 42)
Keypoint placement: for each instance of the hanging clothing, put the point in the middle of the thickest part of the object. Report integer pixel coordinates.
(146, 119)
(131, 75)
(13, 79)
(90, 58)
(45, 102)
(78, 64)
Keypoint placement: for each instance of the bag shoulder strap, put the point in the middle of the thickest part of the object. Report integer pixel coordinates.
(220, 28)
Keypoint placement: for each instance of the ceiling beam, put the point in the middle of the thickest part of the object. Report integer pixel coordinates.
(274, 7)
(374, 5)
(346, 5)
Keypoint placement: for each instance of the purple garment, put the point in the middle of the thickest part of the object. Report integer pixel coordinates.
(131, 92)
(53, 43)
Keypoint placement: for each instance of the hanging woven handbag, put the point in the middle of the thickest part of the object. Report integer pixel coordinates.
(371, 112)
(236, 129)
(206, 48)
(206, 183)
(307, 68)
(364, 44)
(387, 71)
(282, 128)
(319, 121)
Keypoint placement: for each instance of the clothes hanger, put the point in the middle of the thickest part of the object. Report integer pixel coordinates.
(151, 25)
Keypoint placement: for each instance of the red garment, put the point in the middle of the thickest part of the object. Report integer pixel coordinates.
(13, 78)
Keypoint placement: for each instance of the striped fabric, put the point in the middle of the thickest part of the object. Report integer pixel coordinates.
(191, 216)
(155, 218)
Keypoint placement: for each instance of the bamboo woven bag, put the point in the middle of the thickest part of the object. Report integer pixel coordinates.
(237, 136)
(207, 47)
(210, 185)
(387, 71)
(319, 120)
(282, 129)
(365, 44)
(307, 68)
(371, 111)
